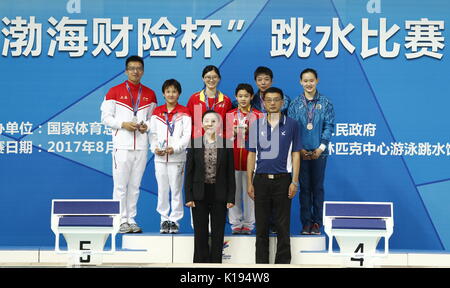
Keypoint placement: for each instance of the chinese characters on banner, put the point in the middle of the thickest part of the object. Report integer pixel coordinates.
(358, 148)
(24, 37)
(424, 38)
(60, 144)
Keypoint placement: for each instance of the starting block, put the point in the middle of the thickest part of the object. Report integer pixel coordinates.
(86, 226)
(357, 228)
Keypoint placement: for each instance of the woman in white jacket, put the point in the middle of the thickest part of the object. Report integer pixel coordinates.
(170, 127)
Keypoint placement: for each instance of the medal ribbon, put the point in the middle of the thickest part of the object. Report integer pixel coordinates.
(242, 120)
(310, 113)
(138, 100)
(169, 126)
(263, 109)
(207, 100)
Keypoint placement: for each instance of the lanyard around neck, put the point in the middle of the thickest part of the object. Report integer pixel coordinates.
(138, 100)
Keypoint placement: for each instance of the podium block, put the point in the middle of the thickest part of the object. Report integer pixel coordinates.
(159, 247)
(183, 248)
(301, 243)
(237, 249)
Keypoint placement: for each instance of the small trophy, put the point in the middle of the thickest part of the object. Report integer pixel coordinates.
(162, 145)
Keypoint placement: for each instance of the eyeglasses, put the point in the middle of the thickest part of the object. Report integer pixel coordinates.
(209, 78)
(269, 100)
(137, 69)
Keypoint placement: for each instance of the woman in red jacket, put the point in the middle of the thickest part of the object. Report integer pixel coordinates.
(209, 98)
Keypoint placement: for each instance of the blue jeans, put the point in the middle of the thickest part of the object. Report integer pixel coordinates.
(312, 173)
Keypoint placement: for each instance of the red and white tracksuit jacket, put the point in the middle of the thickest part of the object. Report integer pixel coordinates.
(169, 169)
(241, 216)
(130, 148)
(160, 134)
(117, 108)
(197, 106)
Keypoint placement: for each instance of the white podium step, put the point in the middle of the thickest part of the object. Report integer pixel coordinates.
(237, 249)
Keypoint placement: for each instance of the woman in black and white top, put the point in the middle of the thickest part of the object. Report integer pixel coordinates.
(209, 188)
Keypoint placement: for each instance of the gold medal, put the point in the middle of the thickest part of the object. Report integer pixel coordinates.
(309, 126)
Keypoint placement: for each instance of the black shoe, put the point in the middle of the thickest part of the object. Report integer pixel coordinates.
(306, 230)
(164, 228)
(273, 230)
(173, 228)
(315, 230)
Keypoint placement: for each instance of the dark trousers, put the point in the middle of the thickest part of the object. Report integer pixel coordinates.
(203, 252)
(272, 193)
(312, 173)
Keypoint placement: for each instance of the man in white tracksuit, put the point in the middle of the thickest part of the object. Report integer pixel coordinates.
(127, 109)
(170, 127)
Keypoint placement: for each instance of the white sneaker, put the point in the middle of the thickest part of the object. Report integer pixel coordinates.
(125, 228)
(135, 228)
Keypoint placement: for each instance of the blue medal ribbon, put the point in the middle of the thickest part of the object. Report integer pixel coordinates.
(138, 100)
(263, 109)
(309, 112)
(207, 100)
(171, 127)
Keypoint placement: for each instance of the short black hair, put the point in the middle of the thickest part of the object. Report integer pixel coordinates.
(171, 82)
(211, 112)
(211, 68)
(134, 58)
(273, 90)
(309, 70)
(244, 86)
(263, 70)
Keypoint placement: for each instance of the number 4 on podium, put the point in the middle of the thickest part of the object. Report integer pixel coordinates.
(359, 249)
